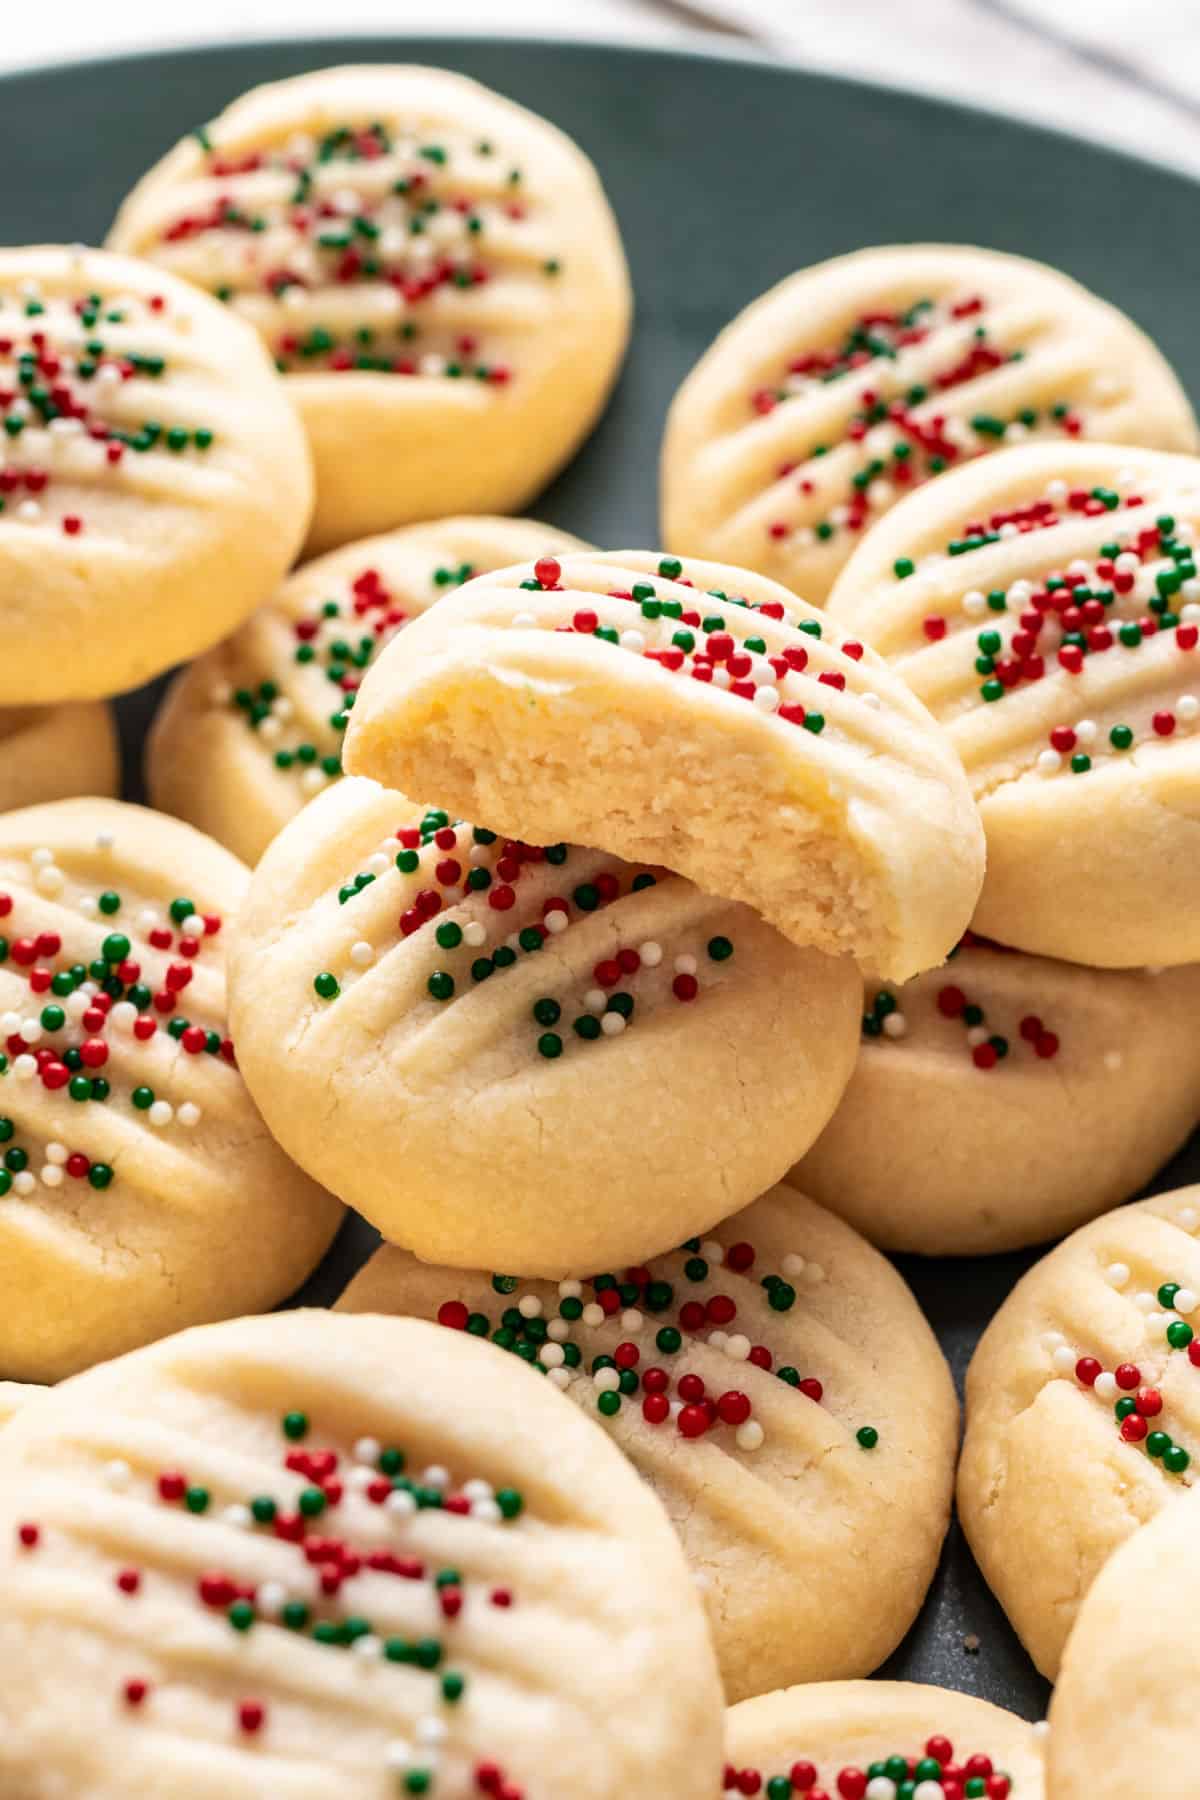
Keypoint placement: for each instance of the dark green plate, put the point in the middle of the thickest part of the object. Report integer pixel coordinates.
(726, 175)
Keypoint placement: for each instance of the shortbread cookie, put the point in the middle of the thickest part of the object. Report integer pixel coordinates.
(879, 1740)
(848, 385)
(1083, 1411)
(1124, 1712)
(56, 752)
(435, 270)
(139, 1188)
(784, 1397)
(248, 733)
(1006, 1099)
(154, 480)
(695, 716)
(1045, 606)
(308, 1555)
(543, 1059)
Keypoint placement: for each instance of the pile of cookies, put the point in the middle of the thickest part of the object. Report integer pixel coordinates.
(643, 941)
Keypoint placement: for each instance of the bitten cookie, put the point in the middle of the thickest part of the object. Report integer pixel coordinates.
(783, 1396)
(251, 1561)
(435, 270)
(694, 716)
(543, 1058)
(1083, 1411)
(1124, 1709)
(879, 1740)
(139, 1188)
(56, 752)
(154, 480)
(1045, 606)
(848, 385)
(248, 733)
(1006, 1099)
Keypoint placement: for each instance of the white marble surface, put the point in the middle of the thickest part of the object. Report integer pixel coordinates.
(1123, 71)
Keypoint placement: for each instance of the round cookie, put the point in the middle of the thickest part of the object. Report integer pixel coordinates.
(154, 480)
(850, 384)
(139, 1188)
(247, 1561)
(1083, 1411)
(992, 1100)
(435, 270)
(544, 1058)
(695, 716)
(1124, 1709)
(56, 752)
(783, 1396)
(249, 732)
(880, 1739)
(1045, 607)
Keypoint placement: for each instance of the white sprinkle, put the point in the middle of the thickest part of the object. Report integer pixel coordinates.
(593, 1314)
(29, 511)
(122, 1015)
(651, 954)
(367, 1646)
(395, 1757)
(551, 1355)
(766, 699)
(1105, 1384)
(612, 1024)
(362, 954)
(50, 882)
(313, 780)
(368, 1450)
(56, 1153)
(435, 1476)
(792, 1264)
(1052, 1339)
(813, 1273)
(871, 700)
(570, 1290)
(30, 1030)
(881, 1788)
(556, 920)
(1185, 1300)
(685, 965)
(487, 1510)
(1145, 1302)
(10, 1022)
(1086, 731)
(1056, 491)
(1186, 1218)
(117, 1473)
(1117, 1274)
(737, 1346)
(974, 604)
(632, 1320)
(523, 619)
(595, 1000)
(978, 1034)
(558, 1331)
(607, 1380)
(529, 1306)
(239, 1516)
(271, 1598)
(431, 1730)
(474, 934)
(749, 1435)
(718, 1339)
(189, 1114)
(51, 1176)
(633, 640)
(88, 905)
(25, 1068)
(24, 1183)
(400, 1503)
(42, 858)
(161, 1113)
(1049, 762)
(1064, 1360)
(1188, 708)
(895, 1025)
(712, 1252)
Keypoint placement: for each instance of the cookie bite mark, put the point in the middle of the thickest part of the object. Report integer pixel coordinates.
(544, 693)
